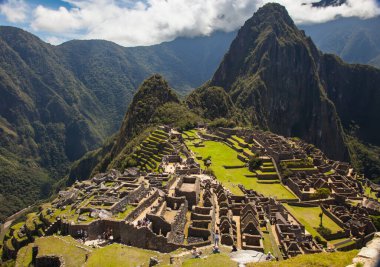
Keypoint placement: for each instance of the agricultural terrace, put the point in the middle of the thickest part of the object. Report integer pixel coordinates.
(72, 252)
(223, 155)
(309, 217)
(120, 255)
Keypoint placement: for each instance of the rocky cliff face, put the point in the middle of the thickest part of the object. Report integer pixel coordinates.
(355, 92)
(272, 73)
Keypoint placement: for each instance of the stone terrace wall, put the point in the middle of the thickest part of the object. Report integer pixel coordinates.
(149, 201)
(177, 227)
(135, 195)
(333, 217)
(49, 261)
(143, 237)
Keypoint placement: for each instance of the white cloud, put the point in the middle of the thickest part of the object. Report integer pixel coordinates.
(132, 23)
(142, 23)
(15, 11)
(303, 14)
(54, 40)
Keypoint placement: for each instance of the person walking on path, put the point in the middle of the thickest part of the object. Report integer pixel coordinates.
(216, 238)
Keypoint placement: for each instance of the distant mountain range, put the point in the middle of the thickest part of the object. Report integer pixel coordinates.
(353, 39)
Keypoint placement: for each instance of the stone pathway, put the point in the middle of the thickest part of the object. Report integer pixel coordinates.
(242, 257)
(369, 256)
(238, 237)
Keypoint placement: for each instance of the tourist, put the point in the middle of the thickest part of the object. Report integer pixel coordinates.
(216, 238)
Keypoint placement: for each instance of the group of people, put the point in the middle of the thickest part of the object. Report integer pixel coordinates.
(143, 222)
(108, 234)
(82, 234)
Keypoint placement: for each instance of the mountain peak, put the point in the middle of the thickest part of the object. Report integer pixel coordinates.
(271, 72)
(272, 13)
(152, 94)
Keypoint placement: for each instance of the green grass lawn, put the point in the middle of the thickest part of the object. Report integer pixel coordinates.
(119, 255)
(211, 261)
(309, 217)
(72, 255)
(368, 193)
(336, 259)
(239, 139)
(267, 243)
(221, 154)
(191, 133)
(123, 215)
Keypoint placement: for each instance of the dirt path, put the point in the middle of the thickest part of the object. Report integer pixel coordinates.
(238, 233)
(172, 188)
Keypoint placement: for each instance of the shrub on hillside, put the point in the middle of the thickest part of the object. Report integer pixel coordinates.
(324, 231)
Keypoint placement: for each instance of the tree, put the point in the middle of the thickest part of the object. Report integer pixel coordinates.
(254, 163)
(321, 217)
(322, 193)
(207, 161)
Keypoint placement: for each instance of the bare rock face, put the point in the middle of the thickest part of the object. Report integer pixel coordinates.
(368, 256)
(272, 71)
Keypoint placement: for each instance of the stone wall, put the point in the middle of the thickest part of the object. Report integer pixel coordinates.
(333, 217)
(147, 202)
(143, 237)
(177, 227)
(132, 197)
(192, 197)
(49, 261)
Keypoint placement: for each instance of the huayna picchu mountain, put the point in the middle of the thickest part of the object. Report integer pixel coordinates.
(280, 81)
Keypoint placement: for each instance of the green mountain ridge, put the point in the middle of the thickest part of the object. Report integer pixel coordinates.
(154, 103)
(59, 102)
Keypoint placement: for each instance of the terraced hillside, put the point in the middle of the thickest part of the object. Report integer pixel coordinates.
(149, 153)
(229, 157)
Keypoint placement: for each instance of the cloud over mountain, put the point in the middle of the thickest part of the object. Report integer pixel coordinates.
(147, 22)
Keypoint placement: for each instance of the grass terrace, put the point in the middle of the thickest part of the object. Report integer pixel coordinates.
(65, 246)
(119, 255)
(368, 193)
(150, 152)
(221, 155)
(125, 213)
(211, 261)
(309, 217)
(190, 133)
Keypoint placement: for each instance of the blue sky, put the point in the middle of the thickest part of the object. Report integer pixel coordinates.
(147, 22)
